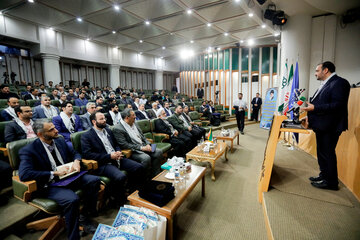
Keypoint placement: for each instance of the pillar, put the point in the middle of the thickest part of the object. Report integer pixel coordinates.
(159, 81)
(51, 68)
(114, 73)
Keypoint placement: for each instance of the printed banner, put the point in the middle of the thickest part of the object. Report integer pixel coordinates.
(268, 108)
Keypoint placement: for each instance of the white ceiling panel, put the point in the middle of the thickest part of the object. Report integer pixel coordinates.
(222, 11)
(237, 24)
(113, 20)
(200, 32)
(166, 40)
(178, 22)
(216, 41)
(161, 53)
(8, 3)
(254, 33)
(153, 9)
(76, 7)
(141, 47)
(115, 39)
(143, 31)
(197, 3)
(40, 14)
(84, 29)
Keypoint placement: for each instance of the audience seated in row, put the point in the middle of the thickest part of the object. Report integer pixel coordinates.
(8, 113)
(45, 109)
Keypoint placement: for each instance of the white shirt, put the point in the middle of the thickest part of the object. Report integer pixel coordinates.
(241, 103)
(103, 135)
(142, 101)
(322, 84)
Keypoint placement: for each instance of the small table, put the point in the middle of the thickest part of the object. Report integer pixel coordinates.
(211, 157)
(196, 174)
(231, 138)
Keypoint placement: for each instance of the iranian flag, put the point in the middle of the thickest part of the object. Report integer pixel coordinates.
(285, 88)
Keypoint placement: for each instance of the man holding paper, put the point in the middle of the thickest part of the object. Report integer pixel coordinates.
(40, 161)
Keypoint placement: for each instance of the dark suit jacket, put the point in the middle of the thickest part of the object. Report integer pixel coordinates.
(162, 127)
(330, 113)
(39, 112)
(93, 148)
(259, 102)
(151, 113)
(168, 112)
(60, 126)
(140, 115)
(85, 120)
(5, 116)
(177, 123)
(124, 140)
(200, 92)
(13, 132)
(35, 164)
(28, 97)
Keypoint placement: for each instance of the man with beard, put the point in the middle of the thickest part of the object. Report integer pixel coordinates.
(100, 145)
(45, 110)
(199, 132)
(141, 113)
(8, 113)
(115, 116)
(21, 127)
(39, 161)
(85, 118)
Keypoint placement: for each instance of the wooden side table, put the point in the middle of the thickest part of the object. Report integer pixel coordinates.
(229, 138)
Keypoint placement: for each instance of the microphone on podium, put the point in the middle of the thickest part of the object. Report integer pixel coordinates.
(297, 104)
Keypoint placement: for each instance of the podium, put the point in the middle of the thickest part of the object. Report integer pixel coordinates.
(270, 150)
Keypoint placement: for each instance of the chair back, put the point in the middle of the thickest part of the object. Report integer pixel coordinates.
(3, 103)
(145, 127)
(121, 107)
(55, 103)
(31, 102)
(194, 115)
(13, 152)
(2, 130)
(76, 110)
(22, 102)
(76, 140)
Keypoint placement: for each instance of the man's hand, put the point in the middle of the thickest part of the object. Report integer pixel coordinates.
(305, 122)
(116, 155)
(176, 133)
(255, 105)
(76, 166)
(309, 108)
(189, 128)
(146, 148)
(61, 172)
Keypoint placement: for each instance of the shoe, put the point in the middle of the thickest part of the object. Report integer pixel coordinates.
(315, 179)
(89, 228)
(323, 184)
(242, 133)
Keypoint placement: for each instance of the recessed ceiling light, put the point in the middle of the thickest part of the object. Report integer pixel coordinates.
(241, 41)
(113, 32)
(276, 34)
(191, 41)
(116, 7)
(140, 41)
(189, 11)
(0, 12)
(237, 1)
(251, 14)
(161, 57)
(147, 22)
(209, 24)
(218, 49)
(88, 39)
(209, 49)
(51, 28)
(140, 53)
(163, 48)
(79, 19)
(263, 26)
(171, 33)
(226, 34)
(250, 42)
(31, 1)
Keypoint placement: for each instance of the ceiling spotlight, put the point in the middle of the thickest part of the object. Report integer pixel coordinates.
(140, 41)
(237, 1)
(88, 39)
(189, 11)
(241, 41)
(186, 53)
(191, 41)
(79, 19)
(226, 34)
(251, 14)
(116, 7)
(147, 22)
(218, 49)
(163, 48)
(171, 33)
(276, 34)
(250, 42)
(51, 28)
(140, 53)
(31, 1)
(209, 50)
(209, 24)
(263, 26)
(113, 32)
(277, 17)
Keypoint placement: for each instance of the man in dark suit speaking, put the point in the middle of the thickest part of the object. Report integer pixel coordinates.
(328, 117)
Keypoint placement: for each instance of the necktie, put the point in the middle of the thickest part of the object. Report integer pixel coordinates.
(72, 123)
(53, 153)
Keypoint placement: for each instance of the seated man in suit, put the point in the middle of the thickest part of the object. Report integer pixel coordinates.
(143, 99)
(62, 98)
(152, 112)
(21, 127)
(124, 99)
(85, 118)
(114, 115)
(54, 94)
(198, 131)
(81, 100)
(34, 95)
(99, 104)
(129, 136)
(5, 180)
(45, 110)
(5, 92)
(136, 104)
(183, 102)
(99, 144)
(206, 110)
(71, 95)
(67, 122)
(141, 113)
(167, 109)
(182, 126)
(8, 113)
(178, 141)
(39, 160)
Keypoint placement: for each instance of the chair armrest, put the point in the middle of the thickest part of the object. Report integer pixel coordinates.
(198, 123)
(90, 164)
(5, 151)
(160, 137)
(150, 140)
(23, 190)
(205, 123)
(127, 153)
